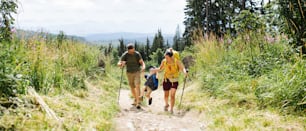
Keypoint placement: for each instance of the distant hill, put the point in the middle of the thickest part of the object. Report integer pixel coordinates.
(26, 34)
(100, 38)
(105, 38)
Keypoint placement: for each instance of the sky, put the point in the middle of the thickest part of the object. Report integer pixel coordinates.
(83, 17)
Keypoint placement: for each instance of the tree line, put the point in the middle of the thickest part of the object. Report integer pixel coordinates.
(232, 18)
(149, 50)
(222, 17)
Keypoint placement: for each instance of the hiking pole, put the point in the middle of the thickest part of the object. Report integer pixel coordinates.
(120, 84)
(183, 89)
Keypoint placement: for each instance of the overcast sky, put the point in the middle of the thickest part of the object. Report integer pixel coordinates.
(82, 17)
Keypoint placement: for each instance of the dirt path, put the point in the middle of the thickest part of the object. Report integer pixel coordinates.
(153, 117)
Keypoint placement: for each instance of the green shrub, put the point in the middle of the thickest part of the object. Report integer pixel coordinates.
(269, 74)
(13, 69)
(45, 66)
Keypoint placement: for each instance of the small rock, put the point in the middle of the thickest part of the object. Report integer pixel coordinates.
(28, 115)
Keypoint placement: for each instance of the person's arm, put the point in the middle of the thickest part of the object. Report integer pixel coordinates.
(181, 67)
(142, 63)
(161, 67)
(121, 63)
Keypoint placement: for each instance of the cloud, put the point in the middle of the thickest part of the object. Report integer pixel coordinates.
(99, 16)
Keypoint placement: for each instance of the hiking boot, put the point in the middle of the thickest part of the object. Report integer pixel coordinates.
(171, 111)
(166, 107)
(150, 101)
(138, 106)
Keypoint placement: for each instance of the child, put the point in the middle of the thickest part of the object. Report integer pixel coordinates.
(151, 84)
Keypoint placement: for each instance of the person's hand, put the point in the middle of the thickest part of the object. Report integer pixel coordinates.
(186, 73)
(122, 64)
(142, 69)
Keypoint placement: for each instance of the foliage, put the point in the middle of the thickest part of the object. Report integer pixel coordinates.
(272, 18)
(45, 66)
(271, 75)
(13, 69)
(293, 11)
(121, 47)
(214, 16)
(157, 56)
(178, 43)
(223, 114)
(64, 74)
(147, 50)
(158, 42)
(247, 21)
(60, 38)
(7, 8)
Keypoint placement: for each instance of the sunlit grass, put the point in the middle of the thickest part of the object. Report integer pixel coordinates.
(248, 85)
(222, 114)
(91, 109)
(69, 80)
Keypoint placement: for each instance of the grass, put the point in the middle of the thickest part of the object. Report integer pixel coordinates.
(223, 114)
(242, 86)
(248, 85)
(78, 110)
(67, 77)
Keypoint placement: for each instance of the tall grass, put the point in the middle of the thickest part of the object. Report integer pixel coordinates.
(252, 72)
(48, 66)
(66, 75)
(12, 69)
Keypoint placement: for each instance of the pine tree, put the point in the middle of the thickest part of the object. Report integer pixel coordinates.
(148, 49)
(161, 40)
(167, 44)
(158, 42)
(121, 47)
(214, 16)
(7, 8)
(142, 51)
(177, 40)
(60, 38)
(157, 56)
(110, 48)
(136, 46)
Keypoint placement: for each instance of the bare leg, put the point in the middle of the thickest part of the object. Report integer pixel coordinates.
(133, 93)
(172, 100)
(137, 92)
(166, 97)
(148, 94)
(142, 92)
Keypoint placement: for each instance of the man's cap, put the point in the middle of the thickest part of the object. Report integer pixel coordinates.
(130, 46)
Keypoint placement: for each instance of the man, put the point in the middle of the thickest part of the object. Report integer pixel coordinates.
(172, 67)
(133, 60)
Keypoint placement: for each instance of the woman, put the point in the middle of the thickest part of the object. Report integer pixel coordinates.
(172, 67)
